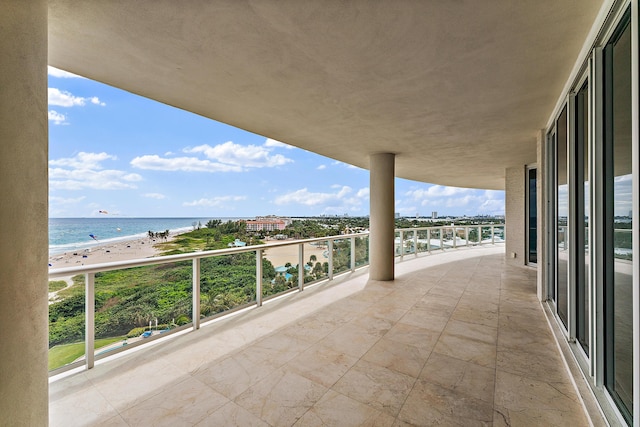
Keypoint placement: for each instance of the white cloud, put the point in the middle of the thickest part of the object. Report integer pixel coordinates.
(184, 164)
(343, 164)
(249, 156)
(54, 72)
(66, 200)
(341, 200)
(307, 198)
(220, 201)
(321, 167)
(57, 118)
(277, 144)
(436, 191)
(454, 199)
(85, 171)
(67, 99)
(363, 193)
(227, 157)
(95, 100)
(154, 196)
(84, 160)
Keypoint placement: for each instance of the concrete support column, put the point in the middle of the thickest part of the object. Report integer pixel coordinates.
(381, 220)
(23, 213)
(515, 215)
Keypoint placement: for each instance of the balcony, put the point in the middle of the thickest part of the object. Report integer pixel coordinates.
(456, 339)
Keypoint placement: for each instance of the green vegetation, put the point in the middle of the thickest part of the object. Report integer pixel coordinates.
(127, 300)
(56, 285)
(131, 298)
(61, 355)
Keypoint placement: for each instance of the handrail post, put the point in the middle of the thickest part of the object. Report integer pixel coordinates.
(415, 242)
(258, 277)
(401, 245)
(429, 240)
(301, 267)
(466, 235)
(196, 294)
(330, 249)
(493, 235)
(89, 325)
(455, 236)
(442, 238)
(479, 235)
(353, 253)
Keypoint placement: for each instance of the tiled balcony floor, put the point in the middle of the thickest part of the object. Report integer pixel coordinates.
(457, 339)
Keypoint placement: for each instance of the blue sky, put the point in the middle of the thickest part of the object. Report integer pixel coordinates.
(113, 151)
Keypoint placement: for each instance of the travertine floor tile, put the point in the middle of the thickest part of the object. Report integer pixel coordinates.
(322, 364)
(185, 404)
(405, 358)
(232, 415)
(352, 339)
(335, 409)
(281, 398)
(462, 377)
(420, 337)
(234, 374)
(375, 386)
(461, 343)
(82, 408)
(429, 404)
(520, 398)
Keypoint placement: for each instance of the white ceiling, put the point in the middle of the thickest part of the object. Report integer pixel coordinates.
(456, 88)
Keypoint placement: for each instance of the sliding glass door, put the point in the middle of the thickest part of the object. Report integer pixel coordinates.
(562, 217)
(618, 262)
(532, 215)
(582, 214)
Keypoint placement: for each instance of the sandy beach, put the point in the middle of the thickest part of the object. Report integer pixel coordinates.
(144, 248)
(282, 255)
(111, 252)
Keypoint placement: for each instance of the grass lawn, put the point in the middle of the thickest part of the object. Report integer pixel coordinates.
(61, 355)
(56, 285)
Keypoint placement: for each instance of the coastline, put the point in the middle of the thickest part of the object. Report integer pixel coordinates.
(144, 247)
(137, 248)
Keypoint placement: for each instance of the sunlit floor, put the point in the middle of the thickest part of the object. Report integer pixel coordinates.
(457, 339)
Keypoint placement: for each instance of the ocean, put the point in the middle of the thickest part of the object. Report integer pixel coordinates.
(70, 234)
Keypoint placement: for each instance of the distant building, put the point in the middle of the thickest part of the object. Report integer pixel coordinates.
(434, 214)
(267, 223)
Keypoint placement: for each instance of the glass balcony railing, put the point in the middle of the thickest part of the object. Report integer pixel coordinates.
(109, 308)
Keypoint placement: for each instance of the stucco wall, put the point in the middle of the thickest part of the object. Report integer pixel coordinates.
(24, 248)
(514, 215)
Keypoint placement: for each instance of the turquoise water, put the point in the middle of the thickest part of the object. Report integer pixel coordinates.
(69, 234)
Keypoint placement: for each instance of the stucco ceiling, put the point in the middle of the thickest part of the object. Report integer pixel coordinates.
(456, 88)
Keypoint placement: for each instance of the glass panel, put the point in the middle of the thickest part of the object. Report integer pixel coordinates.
(562, 213)
(423, 242)
(532, 216)
(436, 239)
(582, 216)
(66, 321)
(362, 251)
(229, 281)
(341, 255)
(280, 268)
(618, 226)
(135, 304)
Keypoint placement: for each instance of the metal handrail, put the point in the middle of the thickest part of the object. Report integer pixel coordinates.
(195, 257)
